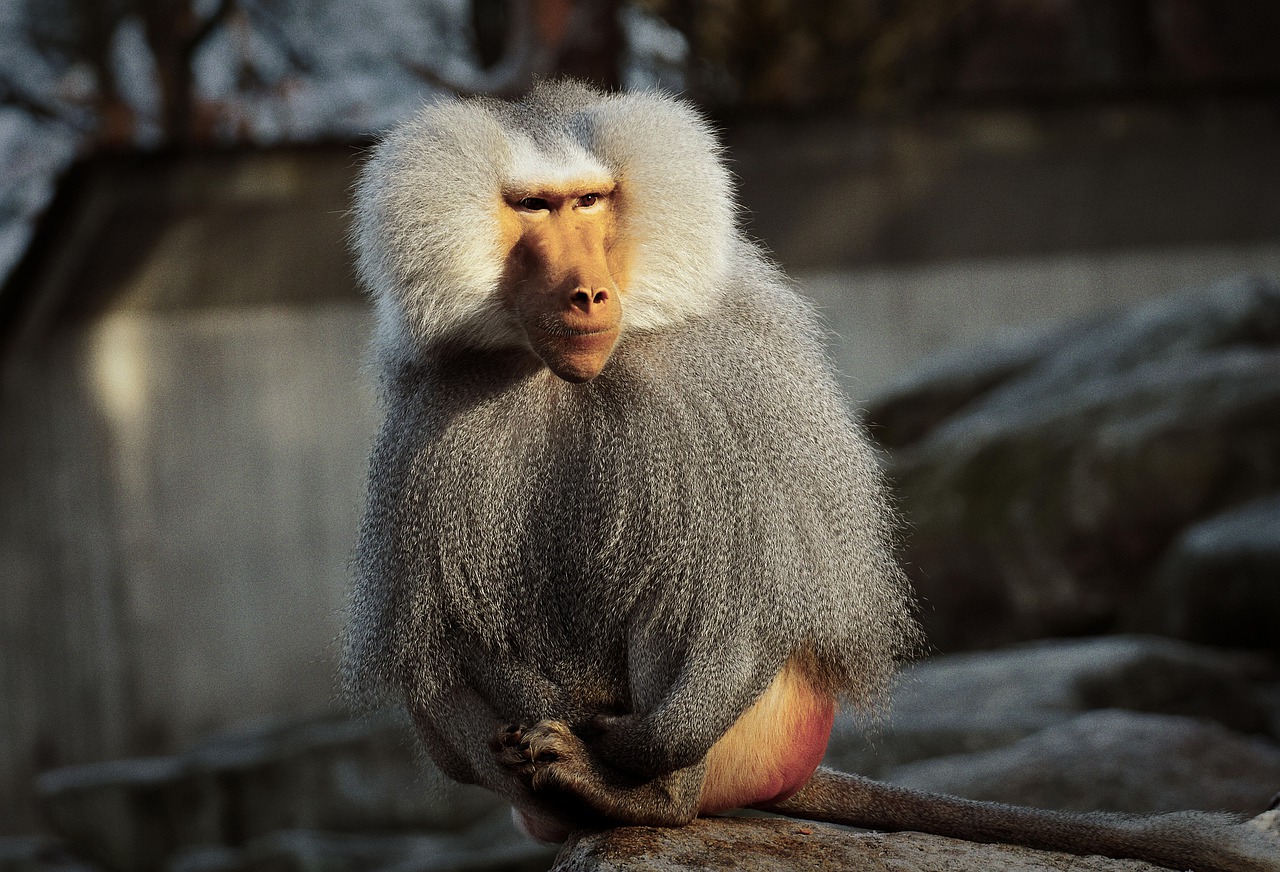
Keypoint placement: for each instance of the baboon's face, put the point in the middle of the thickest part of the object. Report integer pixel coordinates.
(565, 272)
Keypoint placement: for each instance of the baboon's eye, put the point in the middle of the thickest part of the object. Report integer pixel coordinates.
(533, 204)
(586, 201)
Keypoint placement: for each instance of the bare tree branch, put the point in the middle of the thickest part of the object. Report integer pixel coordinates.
(11, 94)
(210, 24)
(524, 59)
(270, 26)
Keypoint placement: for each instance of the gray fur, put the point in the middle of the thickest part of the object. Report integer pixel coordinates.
(706, 498)
(652, 545)
(658, 541)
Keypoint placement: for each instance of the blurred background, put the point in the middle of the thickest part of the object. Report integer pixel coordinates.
(1045, 235)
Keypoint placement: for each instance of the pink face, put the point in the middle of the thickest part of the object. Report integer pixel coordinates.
(565, 272)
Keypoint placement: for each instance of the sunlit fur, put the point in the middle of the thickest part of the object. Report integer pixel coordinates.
(655, 545)
(426, 228)
(699, 512)
(661, 539)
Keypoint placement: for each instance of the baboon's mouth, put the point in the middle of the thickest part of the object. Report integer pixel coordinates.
(557, 329)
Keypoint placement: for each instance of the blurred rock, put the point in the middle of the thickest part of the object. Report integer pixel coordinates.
(494, 846)
(964, 703)
(1219, 582)
(921, 399)
(1007, 725)
(40, 854)
(1042, 504)
(1064, 361)
(1114, 760)
(1269, 698)
(785, 845)
(334, 775)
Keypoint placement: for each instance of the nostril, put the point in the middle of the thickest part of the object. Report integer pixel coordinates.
(586, 299)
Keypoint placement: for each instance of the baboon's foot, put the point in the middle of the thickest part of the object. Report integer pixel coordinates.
(545, 754)
(509, 747)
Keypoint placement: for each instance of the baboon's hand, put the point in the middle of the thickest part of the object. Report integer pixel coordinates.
(540, 755)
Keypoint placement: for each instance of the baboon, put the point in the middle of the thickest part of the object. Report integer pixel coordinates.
(625, 548)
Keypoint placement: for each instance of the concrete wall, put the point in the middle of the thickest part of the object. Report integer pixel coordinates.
(181, 493)
(184, 426)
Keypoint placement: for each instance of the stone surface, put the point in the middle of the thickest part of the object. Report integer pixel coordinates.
(40, 854)
(1243, 312)
(1269, 698)
(492, 846)
(1040, 506)
(919, 400)
(785, 845)
(1114, 760)
(1013, 725)
(1219, 582)
(963, 703)
(330, 775)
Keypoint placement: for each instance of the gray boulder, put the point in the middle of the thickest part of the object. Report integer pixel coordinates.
(760, 844)
(1032, 369)
(492, 846)
(965, 703)
(41, 854)
(348, 796)
(1114, 760)
(332, 775)
(1219, 582)
(1040, 506)
(921, 399)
